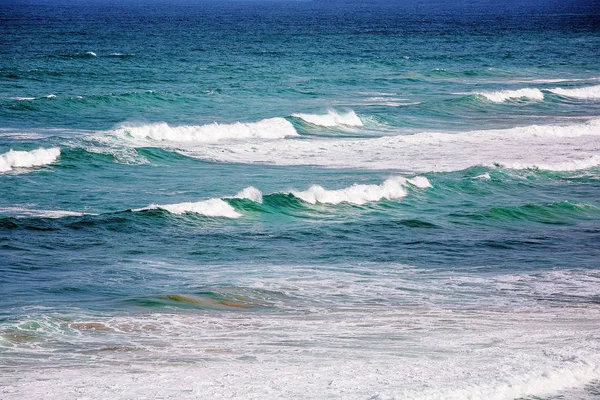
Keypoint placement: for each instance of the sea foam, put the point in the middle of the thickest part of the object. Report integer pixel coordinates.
(332, 118)
(570, 165)
(20, 212)
(590, 92)
(272, 128)
(28, 159)
(392, 188)
(533, 145)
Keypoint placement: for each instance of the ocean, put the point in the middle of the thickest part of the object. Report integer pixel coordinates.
(299, 200)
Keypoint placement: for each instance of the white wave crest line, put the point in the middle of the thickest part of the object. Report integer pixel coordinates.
(392, 188)
(209, 208)
(590, 92)
(28, 159)
(332, 118)
(272, 128)
(504, 95)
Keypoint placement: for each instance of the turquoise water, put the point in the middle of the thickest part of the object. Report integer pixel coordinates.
(298, 200)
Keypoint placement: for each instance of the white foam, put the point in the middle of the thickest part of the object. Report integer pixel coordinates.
(534, 145)
(272, 128)
(51, 96)
(390, 101)
(24, 98)
(392, 188)
(28, 159)
(590, 92)
(27, 212)
(504, 95)
(250, 193)
(332, 118)
(572, 165)
(485, 177)
(348, 330)
(209, 208)
(91, 53)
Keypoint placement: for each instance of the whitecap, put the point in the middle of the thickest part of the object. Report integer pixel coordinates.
(250, 193)
(209, 208)
(28, 159)
(392, 188)
(590, 92)
(271, 128)
(332, 118)
(504, 95)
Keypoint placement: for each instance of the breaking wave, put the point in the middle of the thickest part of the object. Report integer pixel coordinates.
(590, 92)
(332, 118)
(250, 193)
(28, 159)
(209, 208)
(392, 188)
(271, 128)
(504, 95)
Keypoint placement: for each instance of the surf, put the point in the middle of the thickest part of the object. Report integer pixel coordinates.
(15, 159)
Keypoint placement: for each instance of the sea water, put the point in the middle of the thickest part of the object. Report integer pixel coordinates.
(299, 200)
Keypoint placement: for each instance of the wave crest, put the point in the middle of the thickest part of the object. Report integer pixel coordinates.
(504, 95)
(28, 159)
(590, 92)
(332, 118)
(392, 188)
(209, 208)
(250, 193)
(271, 128)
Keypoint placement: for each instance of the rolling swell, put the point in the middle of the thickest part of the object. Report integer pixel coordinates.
(249, 200)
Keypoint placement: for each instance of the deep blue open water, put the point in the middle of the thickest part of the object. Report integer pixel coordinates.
(299, 200)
